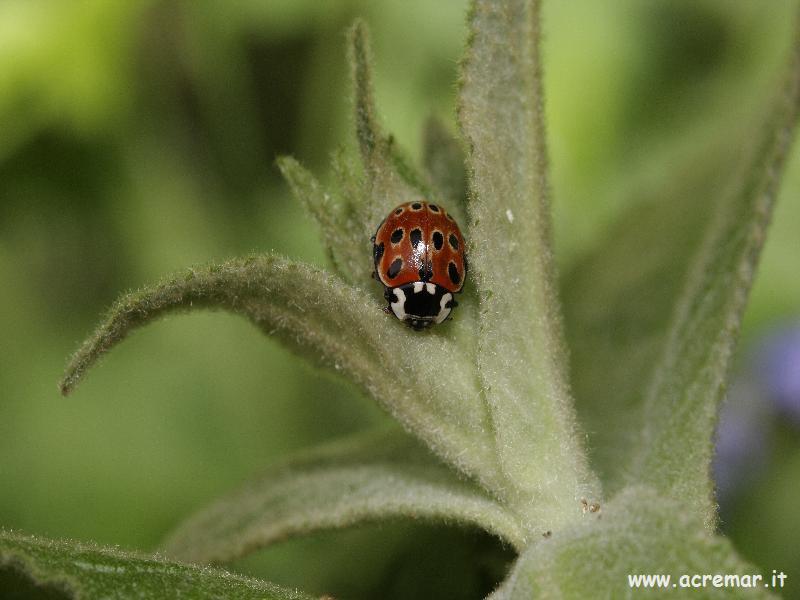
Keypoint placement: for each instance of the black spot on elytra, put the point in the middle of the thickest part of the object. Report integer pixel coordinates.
(453, 241)
(426, 271)
(438, 240)
(452, 271)
(433, 207)
(416, 236)
(399, 211)
(377, 252)
(397, 235)
(394, 268)
(416, 206)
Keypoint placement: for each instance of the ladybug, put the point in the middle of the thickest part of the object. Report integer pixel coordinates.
(419, 258)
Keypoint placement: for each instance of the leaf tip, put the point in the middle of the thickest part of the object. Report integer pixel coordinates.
(367, 132)
(66, 385)
(79, 363)
(288, 165)
(358, 35)
(284, 160)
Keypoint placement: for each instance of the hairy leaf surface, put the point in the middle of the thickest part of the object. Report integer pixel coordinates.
(390, 177)
(88, 571)
(618, 301)
(444, 160)
(376, 476)
(521, 353)
(321, 317)
(639, 532)
(654, 314)
(342, 235)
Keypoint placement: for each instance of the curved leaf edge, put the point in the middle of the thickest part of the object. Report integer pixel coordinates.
(367, 478)
(335, 325)
(522, 362)
(676, 444)
(88, 570)
(640, 531)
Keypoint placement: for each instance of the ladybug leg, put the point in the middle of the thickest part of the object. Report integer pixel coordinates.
(388, 295)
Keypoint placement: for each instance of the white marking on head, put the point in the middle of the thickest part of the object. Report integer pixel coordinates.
(509, 215)
(399, 307)
(444, 310)
(418, 285)
(431, 288)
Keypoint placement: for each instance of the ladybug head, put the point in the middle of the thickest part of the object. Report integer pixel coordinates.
(420, 304)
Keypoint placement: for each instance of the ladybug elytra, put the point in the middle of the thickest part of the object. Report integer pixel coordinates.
(418, 253)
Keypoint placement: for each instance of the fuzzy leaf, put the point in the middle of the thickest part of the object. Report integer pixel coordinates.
(367, 191)
(342, 235)
(618, 302)
(521, 353)
(376, 476)
(390, 178)
(639, 532)
(89, 571)
(444, 160)
(323, 318)
(681, 403)
(661, 329)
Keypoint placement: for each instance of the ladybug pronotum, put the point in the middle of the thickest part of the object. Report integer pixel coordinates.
(418, 253)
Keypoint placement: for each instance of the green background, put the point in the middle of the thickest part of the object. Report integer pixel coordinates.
(139, 137)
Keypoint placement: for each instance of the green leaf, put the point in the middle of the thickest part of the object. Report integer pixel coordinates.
(385, 177)
(321, 317)
(342, 233)
(444, 160)
(377, 476)
(389, 177)
(681, 403)
(90, 571)
(521, 353)
(655, 312)
(619, 298)
(639, 532)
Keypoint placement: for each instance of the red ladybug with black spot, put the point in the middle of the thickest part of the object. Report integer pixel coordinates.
(419, 258)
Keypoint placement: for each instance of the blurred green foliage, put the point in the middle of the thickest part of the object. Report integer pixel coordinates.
(139, 137)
